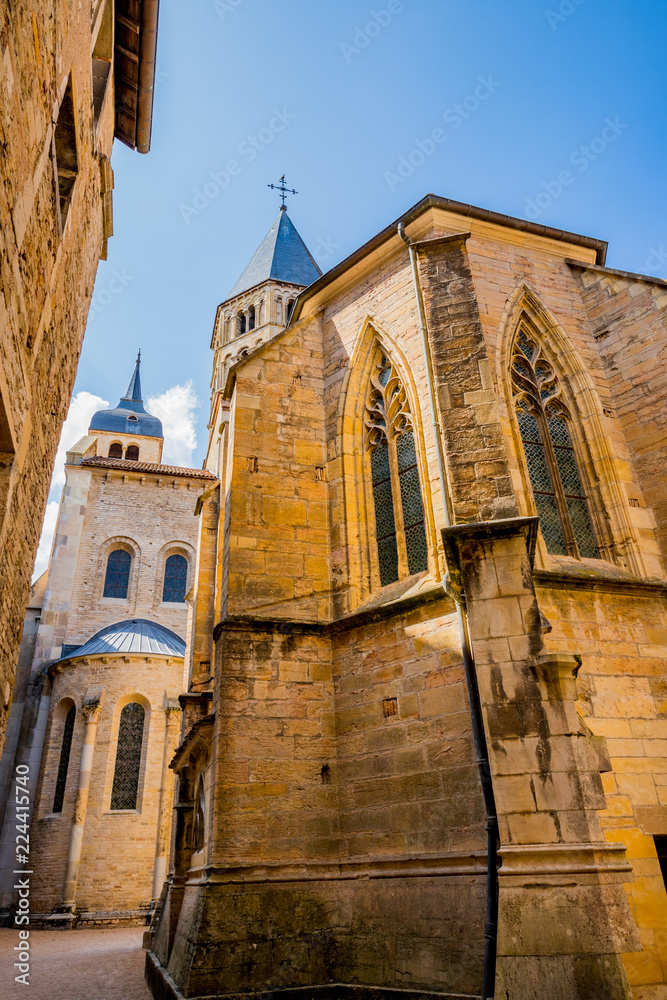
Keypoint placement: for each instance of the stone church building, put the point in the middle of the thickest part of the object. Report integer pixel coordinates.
(425, 729)
(95, 714)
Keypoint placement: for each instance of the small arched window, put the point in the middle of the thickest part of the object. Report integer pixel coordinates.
(128, 757)
(290, 307)
(240, 324)
(544, 424)
(397, 499)
(116, 450)
(117, 579)
(132, 453)
(65, 750)
(251, 318)
(175, 579)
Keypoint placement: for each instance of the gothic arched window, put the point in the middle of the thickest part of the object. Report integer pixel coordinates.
(399, 512)
(117, 579)
(128, 757)
(65, 750)
(544, 423)
(175, 579)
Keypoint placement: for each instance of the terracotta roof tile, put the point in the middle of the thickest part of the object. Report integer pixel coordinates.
(100, 462)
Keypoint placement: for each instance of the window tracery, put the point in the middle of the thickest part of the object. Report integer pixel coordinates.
(128, 757)
(544, 424)
(397, 499)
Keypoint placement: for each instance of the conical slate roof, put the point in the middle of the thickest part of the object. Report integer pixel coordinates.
(138, 635)
(129, 417)
(281, 256)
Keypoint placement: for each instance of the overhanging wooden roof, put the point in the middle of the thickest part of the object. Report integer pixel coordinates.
(135, 48)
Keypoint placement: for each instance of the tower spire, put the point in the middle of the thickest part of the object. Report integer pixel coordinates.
(283, 190)
(134, 388)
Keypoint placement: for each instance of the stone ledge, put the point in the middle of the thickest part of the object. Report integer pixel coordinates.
(564, 859)
(471, 863)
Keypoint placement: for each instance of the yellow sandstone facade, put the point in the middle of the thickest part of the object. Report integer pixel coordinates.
(428, 624)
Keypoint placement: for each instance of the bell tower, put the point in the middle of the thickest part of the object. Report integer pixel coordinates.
(259, 305)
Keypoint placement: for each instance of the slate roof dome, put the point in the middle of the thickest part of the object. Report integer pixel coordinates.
(137, 635)
(129, 417)
(281, 256)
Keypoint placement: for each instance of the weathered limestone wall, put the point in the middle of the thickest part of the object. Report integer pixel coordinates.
(46, 278)
(119, 847)
(621, 634)
(277, 537)
(628, 318)
(152, 515)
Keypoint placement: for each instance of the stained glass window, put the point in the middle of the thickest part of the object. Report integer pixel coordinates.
(542, 483)
(65, 749)
(542, 414)
(175, 579)
(385, 524)
(411, 501)
(117, 577)
(128, 757)
(397, 493)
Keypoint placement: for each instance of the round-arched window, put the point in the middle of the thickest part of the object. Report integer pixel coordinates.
(117, 579)
(128, 757)
(116, 450)
(175, 579)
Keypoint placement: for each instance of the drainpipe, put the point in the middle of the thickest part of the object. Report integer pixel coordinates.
(479, 736)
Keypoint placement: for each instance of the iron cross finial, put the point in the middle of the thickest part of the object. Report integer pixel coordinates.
(283, 190)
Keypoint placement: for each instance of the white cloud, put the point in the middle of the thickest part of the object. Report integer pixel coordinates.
(81, 409)
(44, 550)
(176, 409)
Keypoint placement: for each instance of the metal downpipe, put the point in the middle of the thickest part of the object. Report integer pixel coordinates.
(476, 718)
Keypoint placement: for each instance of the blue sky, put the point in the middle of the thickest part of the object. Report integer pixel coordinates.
(337, 94)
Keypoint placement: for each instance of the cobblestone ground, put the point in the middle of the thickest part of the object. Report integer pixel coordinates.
(77, 965)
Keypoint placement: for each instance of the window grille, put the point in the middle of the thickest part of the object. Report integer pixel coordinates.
(175, 579)
(399, 511)
(385, 526)
(543, 419)
(128, 757)
(411, 500)
(65, 749)
(117, 577)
